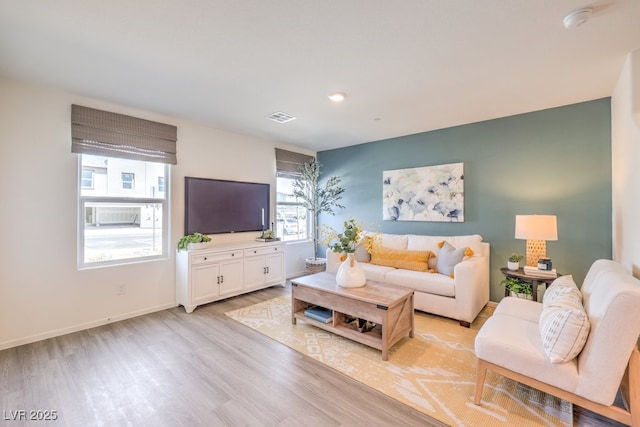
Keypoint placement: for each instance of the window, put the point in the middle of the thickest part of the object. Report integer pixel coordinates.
(86, 180)
(128, 180)
(291, 216)
(292, 219)
(123, 165)
(121, 222)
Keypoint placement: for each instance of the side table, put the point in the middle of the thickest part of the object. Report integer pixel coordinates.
(534, 280)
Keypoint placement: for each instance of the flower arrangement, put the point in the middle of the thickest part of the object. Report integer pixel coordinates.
(350, 238)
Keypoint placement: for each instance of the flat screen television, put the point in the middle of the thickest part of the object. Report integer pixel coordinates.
(214, 206)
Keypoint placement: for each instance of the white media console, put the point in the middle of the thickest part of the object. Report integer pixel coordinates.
(223, 271)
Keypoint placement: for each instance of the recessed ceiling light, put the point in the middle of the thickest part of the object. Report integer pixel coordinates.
(577, 17)
(337, 96)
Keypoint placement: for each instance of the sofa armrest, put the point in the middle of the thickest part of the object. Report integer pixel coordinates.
(333, 260)
(471, 283)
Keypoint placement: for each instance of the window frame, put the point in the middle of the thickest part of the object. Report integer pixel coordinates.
(131, 182)
(82, 178)
(163, 201)
(299, 205)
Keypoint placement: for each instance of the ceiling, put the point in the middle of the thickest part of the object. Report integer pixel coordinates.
(406, 66)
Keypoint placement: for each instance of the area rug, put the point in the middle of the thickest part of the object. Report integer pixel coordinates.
(433, 372)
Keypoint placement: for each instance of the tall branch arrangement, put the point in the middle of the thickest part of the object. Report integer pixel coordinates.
(317, 199)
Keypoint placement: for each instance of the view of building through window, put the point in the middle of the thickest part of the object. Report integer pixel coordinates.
(292, 222)
(122, 209)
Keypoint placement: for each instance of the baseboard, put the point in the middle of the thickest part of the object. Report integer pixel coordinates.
(76, 328)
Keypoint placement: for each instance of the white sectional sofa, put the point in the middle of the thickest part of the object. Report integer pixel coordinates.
(460, 297)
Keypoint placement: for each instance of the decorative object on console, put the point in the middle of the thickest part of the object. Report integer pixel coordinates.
(513, 263)
(268, 236)
(431, 193)
(193, 241)
(544, 264)
(536, 229)
(536, 272)
(316, 199)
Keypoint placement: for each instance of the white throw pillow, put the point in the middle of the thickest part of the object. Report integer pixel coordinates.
(562, 288)
(564, 328)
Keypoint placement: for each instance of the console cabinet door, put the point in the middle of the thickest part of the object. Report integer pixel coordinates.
(231, 277)
(275, 268)
(254, 271)
(204, 282)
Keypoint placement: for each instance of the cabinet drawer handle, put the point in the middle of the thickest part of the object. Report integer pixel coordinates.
(221, 279)
(205, 258)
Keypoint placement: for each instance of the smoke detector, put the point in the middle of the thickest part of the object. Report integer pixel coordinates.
(577, 18)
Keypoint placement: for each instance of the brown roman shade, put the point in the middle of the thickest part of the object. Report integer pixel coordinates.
(117, 135)
(288, 163)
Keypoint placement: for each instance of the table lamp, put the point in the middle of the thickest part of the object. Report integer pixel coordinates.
(536, 229)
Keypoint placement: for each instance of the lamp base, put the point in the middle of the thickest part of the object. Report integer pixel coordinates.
(536, 249)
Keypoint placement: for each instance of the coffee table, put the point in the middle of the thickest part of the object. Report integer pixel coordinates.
(391, 307)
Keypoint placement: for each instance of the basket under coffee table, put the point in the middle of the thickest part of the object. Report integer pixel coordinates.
(391, 307)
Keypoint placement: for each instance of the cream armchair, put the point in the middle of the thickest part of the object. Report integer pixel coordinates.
(513, 344)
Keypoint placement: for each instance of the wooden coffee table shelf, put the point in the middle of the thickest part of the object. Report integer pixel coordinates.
(390, 307)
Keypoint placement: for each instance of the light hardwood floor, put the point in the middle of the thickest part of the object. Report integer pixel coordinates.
(200, 369)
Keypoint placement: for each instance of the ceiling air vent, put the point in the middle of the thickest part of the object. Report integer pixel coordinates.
(280, 117)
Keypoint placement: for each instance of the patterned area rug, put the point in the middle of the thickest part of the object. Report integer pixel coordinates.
(434, 372)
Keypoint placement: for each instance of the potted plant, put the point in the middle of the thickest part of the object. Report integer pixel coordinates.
(513, 263)
(518, 287)
(316, 199)
(193, 241)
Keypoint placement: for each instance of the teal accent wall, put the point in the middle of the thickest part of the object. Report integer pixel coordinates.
(555, 161)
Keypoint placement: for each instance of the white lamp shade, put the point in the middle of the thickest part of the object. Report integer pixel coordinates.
(536, 227)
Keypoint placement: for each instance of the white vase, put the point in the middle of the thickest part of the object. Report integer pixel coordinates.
(513, 266)
(351, 274)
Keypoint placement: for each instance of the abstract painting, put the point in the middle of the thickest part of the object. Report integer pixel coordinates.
(430, 193)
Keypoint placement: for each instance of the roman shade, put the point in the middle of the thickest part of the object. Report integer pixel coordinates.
(117, 135)
(288, 163)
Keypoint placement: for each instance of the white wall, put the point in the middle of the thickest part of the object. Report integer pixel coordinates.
(625, 123)
(42, 293)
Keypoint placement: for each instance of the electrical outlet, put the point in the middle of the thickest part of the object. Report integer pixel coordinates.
(121, 289)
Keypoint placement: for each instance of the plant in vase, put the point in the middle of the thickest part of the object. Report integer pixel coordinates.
(316, 199)
(193, 241)
(513, 263)
(350, 274)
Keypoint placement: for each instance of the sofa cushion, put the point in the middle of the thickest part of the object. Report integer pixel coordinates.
(519, 307)
(564, 327)
(516, 344)
(430, 283)
(474, 242)
(393, 241)
(406, 259)
(448, 257)
(376, 273)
